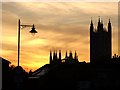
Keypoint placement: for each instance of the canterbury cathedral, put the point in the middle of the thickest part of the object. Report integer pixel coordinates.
(56, 58)
(100, 42)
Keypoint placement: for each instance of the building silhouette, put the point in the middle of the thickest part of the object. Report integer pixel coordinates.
(100, 42)
(68, 73)
(55, 59)
(5, 73)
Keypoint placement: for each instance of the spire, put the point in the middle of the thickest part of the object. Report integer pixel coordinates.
(75, 57)
(99, 24)
(56, 54)
(50, 56)
(98, 19)
(91, 21)
(109, 20)
(66, 54)
(70, 55)
(109, 26)
(91, 26)
(59, 54)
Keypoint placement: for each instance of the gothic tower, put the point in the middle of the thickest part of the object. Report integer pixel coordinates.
(100, 43)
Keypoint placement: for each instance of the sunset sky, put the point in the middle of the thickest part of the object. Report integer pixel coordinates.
(61, 26)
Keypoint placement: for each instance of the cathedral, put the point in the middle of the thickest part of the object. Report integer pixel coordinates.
(100, 42)
(55, 59)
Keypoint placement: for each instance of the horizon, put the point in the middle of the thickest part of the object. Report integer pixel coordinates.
(63, 26)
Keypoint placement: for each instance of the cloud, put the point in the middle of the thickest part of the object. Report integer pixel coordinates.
(60, 1)
(62, 26)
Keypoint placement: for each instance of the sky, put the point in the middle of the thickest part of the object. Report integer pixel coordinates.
(60, 1)
(61, 26)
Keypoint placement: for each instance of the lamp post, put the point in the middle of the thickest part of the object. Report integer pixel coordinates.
(33, 31)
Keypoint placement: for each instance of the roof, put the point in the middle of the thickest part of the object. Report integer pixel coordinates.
(4, 60)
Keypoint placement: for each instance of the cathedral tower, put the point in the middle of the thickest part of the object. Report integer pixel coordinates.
(100, 43)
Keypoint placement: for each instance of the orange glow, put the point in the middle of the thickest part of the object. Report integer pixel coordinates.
(62, 26)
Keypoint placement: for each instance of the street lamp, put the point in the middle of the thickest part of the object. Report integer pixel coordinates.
(33, 31)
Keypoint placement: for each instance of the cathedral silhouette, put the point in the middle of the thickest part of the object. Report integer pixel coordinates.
(103, 71)
(100, 42)
(54, 59)
(100, 46)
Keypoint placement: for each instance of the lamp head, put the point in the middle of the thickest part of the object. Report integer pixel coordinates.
(33, 31)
